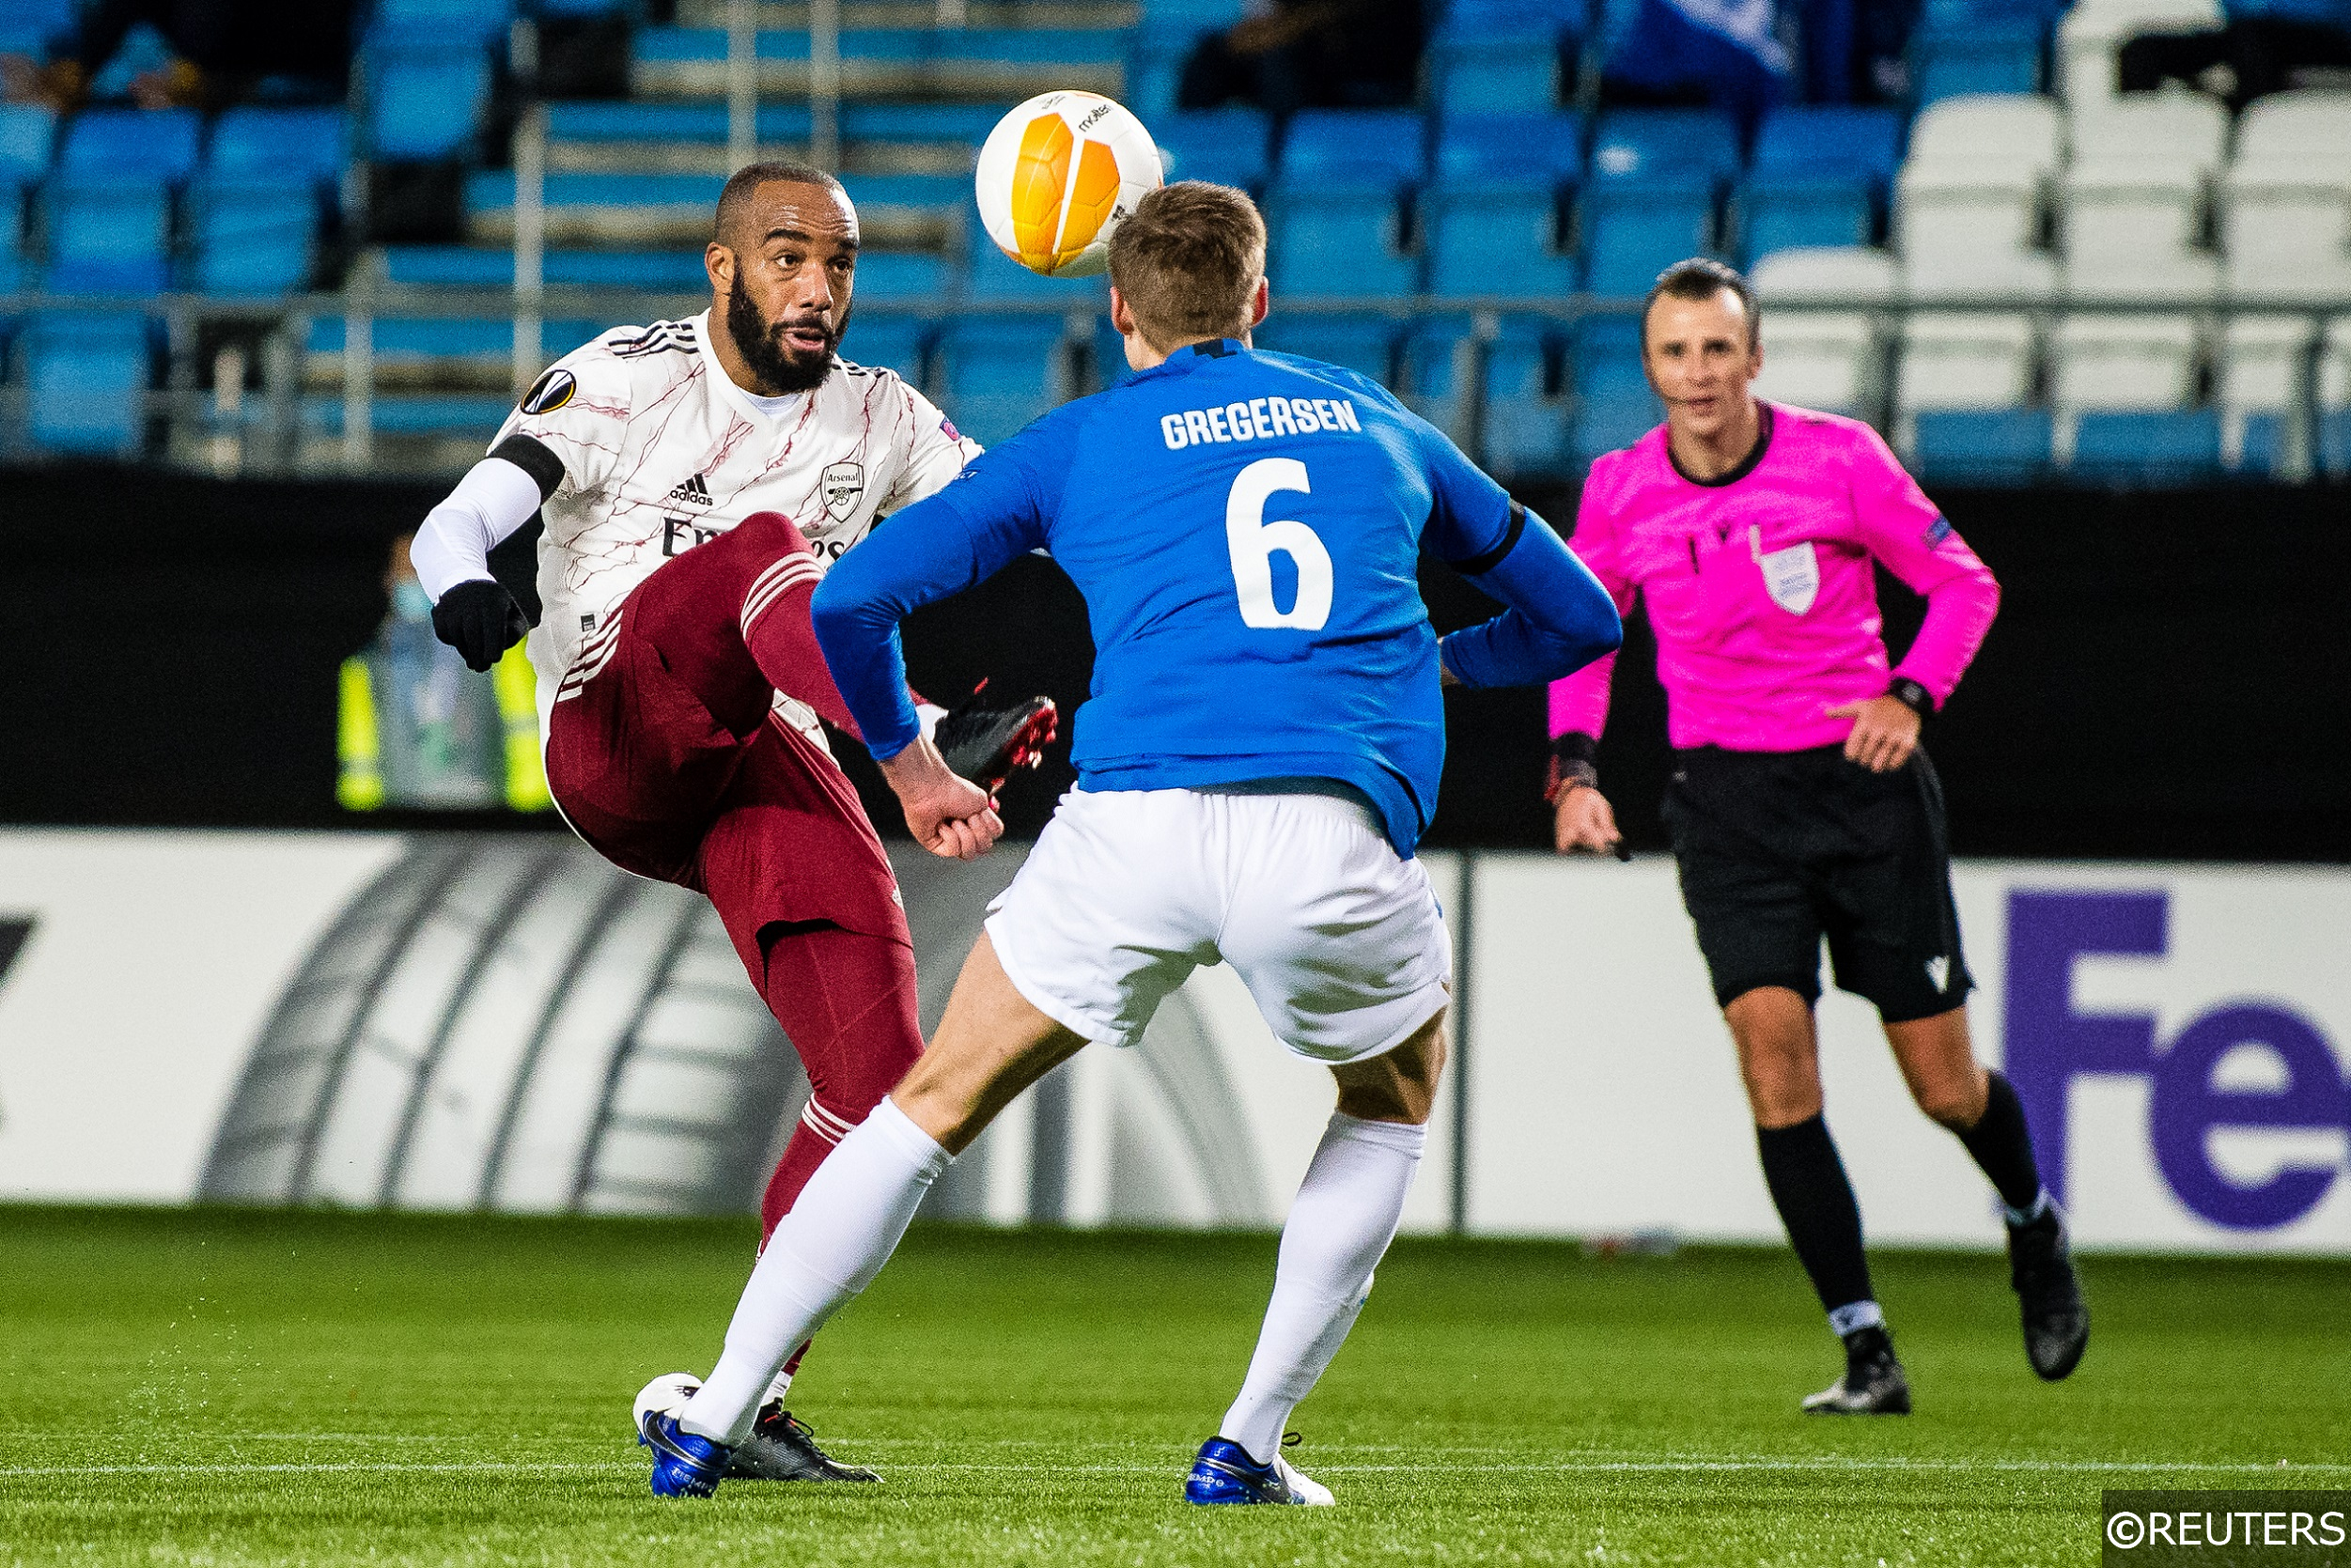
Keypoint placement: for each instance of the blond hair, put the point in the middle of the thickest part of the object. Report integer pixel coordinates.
(1187, 261)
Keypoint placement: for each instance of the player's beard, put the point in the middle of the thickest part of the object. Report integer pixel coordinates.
(760, 342)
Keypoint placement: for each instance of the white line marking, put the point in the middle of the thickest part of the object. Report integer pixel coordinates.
(1569, 1467)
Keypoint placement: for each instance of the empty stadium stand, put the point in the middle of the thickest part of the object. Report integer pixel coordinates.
(2018, 272)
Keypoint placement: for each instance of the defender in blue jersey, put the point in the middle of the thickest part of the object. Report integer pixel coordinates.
(1255, 767)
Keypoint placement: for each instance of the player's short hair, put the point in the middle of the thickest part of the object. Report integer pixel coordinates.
(747, 180)
(1702, 278)
(1187, 261)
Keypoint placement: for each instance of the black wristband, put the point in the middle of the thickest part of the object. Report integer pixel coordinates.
(1571, 763)
(1910, 694)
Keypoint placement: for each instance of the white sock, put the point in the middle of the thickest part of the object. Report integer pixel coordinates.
(778, 1386)
(842, 1228)
(1856, 1315)
(1338, 1229)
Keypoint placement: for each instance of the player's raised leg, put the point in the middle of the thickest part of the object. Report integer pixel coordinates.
(1981, 1108)
(1338, 1229)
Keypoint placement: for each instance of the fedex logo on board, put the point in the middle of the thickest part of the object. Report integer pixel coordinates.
(2051, 1041)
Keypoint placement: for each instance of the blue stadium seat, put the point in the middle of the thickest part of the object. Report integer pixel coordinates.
(1604, 357)
(1492, 217)
(1984, 56)
(992, 277)
(84, 376)
(425, 98)
(908, 277)
(28, 27)
(472, 22)
(998, 373)
(27, 132)
(895, 342)
(1525, 431)
(109, 239)
(118, 145)
(464, 267)
(259, 147)
(629, 121)
(1365, 344)
(1226, 147)
(1167, 33)
(912, 122)
(2334, 442)
(1609, 422)
(1354, 146)
(1650, 198)
(1819, 177)
(1428, 374)
(1994, 446)
(253, 239)
(2148, 446)
(1336, 210)
(1500, 59)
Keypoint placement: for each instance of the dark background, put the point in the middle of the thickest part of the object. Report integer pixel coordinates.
(2168, 676)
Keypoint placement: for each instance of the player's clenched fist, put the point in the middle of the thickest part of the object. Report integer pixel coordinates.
(948, 815)
(1583, 820)
(480, 620)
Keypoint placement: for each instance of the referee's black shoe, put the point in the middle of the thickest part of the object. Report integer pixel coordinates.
(2056, 1318)
(988, 745)
(1873, 1384)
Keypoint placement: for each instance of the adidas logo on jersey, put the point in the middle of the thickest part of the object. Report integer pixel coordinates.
(693, 492)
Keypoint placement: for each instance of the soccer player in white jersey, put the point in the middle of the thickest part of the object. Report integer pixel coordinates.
(696, 479)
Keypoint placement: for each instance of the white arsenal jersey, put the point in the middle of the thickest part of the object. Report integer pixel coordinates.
(661, 450)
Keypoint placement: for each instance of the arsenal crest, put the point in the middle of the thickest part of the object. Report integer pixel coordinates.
(844, 485)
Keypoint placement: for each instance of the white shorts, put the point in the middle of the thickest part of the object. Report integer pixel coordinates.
(1338, 939)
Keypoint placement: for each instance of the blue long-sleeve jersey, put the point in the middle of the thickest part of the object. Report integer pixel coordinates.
(1245, 529)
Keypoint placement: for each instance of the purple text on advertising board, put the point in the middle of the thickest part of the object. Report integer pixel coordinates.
(2050, 1043)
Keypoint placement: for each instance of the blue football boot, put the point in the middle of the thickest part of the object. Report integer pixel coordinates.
(684, 1465)
(1224, 1472)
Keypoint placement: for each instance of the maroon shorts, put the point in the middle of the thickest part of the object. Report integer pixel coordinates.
(666, 753)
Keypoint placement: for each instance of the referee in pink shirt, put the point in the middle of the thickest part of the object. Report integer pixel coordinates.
(1801, 806)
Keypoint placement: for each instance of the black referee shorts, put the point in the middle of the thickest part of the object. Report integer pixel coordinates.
(1779, 850)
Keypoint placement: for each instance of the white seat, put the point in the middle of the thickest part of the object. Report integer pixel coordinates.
(2260, 373)
(1956, 271)
(2334, 366)
(2123, 362)
(2135, 196)
(2286, 199)
(2309, 128)
(1952, 360)
(2288, 242)
(2016, 131)
(1968, 205)
(1840, 274)
(1828, 360)
(2148, 138)
(2094, 31)
(2261, 362)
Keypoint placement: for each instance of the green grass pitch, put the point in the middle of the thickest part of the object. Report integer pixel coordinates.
(232, 1388)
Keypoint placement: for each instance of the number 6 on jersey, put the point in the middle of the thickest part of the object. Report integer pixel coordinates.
(1253, 541)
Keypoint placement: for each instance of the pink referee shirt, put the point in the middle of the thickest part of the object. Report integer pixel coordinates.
(1759, 586)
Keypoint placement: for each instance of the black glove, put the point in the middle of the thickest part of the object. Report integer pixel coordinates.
(480, 620)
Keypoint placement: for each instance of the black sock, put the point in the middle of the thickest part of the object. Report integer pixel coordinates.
(2003, 1147)
(1815, 1203)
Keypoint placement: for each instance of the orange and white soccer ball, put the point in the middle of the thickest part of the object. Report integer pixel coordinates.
(1057, 175)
